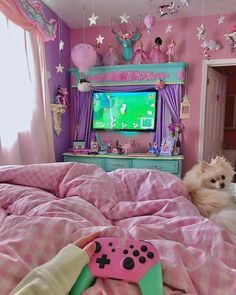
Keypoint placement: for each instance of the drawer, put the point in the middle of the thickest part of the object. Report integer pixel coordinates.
(92, 160)
(167, 166)
(113, 164)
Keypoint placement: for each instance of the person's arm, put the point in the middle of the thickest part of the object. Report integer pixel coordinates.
(57, 276)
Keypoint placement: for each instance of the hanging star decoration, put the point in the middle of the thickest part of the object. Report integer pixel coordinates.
(61, 45)
(221, 19)
(185, 2)
(100, 39)
(201, 32)
(60, 68)
(168, 28)
(124, 18)
(93, 19)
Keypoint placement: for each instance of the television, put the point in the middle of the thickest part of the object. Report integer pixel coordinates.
(131, 111)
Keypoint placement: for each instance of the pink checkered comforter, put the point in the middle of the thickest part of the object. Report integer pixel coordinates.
(45, 207)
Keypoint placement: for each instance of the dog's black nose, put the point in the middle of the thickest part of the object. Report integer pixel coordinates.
(222, 185)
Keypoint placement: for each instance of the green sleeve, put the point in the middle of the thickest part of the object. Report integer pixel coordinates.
(57, 276)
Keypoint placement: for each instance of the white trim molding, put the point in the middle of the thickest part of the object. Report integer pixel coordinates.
(205, 65)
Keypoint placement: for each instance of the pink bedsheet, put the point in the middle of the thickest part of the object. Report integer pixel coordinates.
(45, 207)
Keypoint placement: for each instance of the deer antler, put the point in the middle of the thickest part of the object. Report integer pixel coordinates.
(114, 31)
(135, 28)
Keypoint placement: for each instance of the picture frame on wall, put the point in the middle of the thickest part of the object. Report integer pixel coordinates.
(167, 146)
(78, 145)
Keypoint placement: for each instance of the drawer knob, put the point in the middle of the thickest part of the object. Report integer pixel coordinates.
(156, 167)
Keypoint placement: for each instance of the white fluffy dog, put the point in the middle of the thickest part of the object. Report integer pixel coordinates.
(208, 185)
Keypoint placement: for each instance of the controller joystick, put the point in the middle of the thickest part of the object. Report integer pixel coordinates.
(132, 261)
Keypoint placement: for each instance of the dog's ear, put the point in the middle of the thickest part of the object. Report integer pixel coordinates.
(203, 166)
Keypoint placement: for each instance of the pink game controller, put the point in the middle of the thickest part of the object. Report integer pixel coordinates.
(128, 260)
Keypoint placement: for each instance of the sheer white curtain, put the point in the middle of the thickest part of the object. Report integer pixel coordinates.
(25, 119)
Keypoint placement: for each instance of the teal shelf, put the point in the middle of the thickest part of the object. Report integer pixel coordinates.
(133, 74)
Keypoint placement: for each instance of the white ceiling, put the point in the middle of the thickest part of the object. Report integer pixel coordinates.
(75, 13)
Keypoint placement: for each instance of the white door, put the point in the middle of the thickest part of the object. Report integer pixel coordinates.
(214, 115)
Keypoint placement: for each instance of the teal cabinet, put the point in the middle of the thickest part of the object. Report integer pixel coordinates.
(87, 160)
(112, 162)
(163, 165)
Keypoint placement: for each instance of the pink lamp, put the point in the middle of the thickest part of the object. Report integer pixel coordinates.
(149, 21)
(83, 56)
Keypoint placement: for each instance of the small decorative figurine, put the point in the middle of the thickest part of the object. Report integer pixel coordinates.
(153, 148)
(231, 38)
(159, 84)
(171, 50)
(156, 55)
(119, 148)
(140, 56)
(110, 58)
(206, 53)
(61, 96)
(99, 56)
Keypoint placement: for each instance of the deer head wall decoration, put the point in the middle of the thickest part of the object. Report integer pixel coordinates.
(126, 39)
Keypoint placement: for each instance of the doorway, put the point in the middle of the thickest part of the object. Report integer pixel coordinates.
(218, 110)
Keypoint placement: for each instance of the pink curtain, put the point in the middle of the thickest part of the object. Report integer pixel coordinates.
(10, 10)
(26, 134)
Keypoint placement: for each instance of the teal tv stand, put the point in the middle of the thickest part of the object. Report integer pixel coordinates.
(110, 162)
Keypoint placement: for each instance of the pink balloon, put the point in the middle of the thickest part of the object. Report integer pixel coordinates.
(83, 56)
(149, 21)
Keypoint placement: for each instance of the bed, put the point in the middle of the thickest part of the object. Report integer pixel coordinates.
(43, 207)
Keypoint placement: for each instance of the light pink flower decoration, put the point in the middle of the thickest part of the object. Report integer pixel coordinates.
(181, 75)
(37, 6)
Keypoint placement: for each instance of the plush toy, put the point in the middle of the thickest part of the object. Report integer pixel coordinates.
(61, 95)
(140, 56)
(84, 85)
(156, 55)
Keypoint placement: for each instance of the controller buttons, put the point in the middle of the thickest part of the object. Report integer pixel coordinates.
(125, 251)
(150, 255)
(110, 244)
(142, 259)
(144, 248)
(128, 263)
(131, 246)
(103, 261)
(98, 247)
(136, 253)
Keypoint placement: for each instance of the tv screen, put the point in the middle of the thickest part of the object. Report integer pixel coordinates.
(131, 111)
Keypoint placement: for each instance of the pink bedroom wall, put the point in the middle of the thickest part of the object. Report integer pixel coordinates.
(188, 49)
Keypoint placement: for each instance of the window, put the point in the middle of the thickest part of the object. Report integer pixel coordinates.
(17, 98)
(25, 122)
